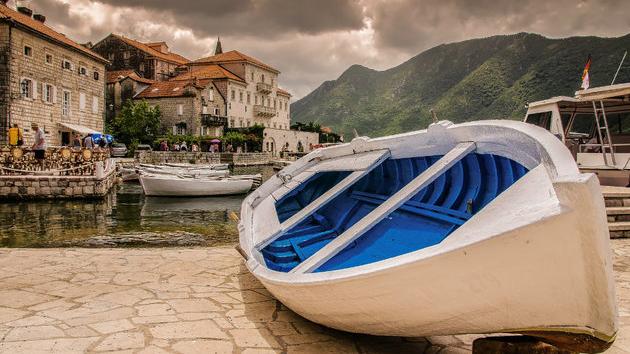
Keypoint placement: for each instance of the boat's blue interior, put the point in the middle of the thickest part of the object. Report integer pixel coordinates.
(425, 220)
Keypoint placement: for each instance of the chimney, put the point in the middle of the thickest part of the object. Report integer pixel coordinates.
(39, 17)
(25, 10)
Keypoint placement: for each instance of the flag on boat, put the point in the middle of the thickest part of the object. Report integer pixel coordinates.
(586, 80)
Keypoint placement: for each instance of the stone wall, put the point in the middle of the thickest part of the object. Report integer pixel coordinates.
(238, 159)
(53, 187)
(161, 157)
(276, 140)
(24, 111)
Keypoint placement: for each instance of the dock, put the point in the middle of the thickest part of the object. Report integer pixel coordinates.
(185, 300)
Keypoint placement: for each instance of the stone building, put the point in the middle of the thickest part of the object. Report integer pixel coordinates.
(122, 85)
(191, 103)
(153, 61)
(47, 78)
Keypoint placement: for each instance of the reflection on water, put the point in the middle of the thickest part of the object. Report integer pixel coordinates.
(124, 210)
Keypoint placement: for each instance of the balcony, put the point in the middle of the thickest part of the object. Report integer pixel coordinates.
(210, 120)
(264, 88)
(264, 111)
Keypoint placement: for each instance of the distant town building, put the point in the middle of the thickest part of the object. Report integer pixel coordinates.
(122, 85)
(153, 61)
(47, 78)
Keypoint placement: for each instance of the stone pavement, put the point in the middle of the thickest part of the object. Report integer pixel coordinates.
(198, 300)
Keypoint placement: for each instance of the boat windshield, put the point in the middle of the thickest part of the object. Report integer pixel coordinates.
(542, 119)
(583, 126)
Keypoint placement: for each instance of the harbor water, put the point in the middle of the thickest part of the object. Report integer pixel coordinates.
(125, 217)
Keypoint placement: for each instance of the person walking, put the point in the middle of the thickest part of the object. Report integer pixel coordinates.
(88, 142)
(39, 146)
(76, 142)
(15, 136)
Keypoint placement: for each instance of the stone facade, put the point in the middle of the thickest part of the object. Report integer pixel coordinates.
(54, 187)
(162, 157)
(153, 61)
(36, 87)
(276, 140)
(197, 111)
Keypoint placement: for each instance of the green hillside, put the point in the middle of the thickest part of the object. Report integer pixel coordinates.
(484, 78)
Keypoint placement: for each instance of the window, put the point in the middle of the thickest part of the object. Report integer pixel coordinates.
(249, 98)
(274, 103)
(240, 123)
(542, 120)
(240, 96)
(48, 93)
(232, 122)
(126, 55)
(262, 77)
(49, 58)
(82, 101)
(65, 103)
(211, 94)
(271, 82)
(27, 87)
(94, 104)
(83, 71)
(248, 123)
(233, 95)
(256, 99)
(28, 51)
(96, 75)
(268, 102)
(66, 64)
(216, 112)
(179, 129)
(252, 76)
(180, 109)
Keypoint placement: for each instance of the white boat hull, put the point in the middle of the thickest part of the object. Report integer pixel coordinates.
(536, 260)
(154, 185)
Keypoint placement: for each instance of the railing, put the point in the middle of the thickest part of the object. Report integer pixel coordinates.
(210, 120)
(57, 162)
(264, 111)
(263, 87)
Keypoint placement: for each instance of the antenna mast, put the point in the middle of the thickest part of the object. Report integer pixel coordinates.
(619, 68)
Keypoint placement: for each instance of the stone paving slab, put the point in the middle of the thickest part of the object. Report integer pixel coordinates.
(199, 300)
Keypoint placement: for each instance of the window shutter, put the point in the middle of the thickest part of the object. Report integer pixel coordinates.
(34, 89)
(54, 92)
(174, 130)
(94, 104)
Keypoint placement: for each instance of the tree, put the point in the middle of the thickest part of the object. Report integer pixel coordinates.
(137, 123)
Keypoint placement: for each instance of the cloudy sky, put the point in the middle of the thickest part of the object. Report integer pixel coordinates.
(311, 41)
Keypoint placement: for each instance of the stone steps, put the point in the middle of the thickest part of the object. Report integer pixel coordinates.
(617, 201)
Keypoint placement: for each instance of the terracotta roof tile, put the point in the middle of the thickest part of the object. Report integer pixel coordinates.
(8, 14)
(283, 92)
(163, 89)
(171, 57)
(210, 71)
(115, 76)
(135, 77)
(233, 56)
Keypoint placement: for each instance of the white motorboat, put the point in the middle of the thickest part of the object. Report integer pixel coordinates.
(482, 227)
(179, 186)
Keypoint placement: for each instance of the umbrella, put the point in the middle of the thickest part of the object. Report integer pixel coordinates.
(215, 141)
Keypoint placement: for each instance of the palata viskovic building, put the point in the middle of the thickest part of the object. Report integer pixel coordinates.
(47, 78)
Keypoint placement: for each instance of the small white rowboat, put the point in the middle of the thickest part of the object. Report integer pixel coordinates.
(482, 227)
(178, 186)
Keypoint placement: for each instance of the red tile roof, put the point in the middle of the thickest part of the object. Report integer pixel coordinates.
(283, 92)
(8, 14)
(163, 89)
(203, 72)
(115, 76)
(135, 77)
(234, 56)
(170, 57)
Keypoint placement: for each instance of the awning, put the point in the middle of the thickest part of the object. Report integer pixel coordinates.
(81, 129)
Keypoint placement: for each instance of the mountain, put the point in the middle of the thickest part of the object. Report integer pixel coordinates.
(485, 78)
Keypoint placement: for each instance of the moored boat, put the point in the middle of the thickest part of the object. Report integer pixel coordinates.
(179, 186)
(482, 227)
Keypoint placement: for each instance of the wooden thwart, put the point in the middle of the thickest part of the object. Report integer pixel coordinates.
(383, 210)
(323, 199)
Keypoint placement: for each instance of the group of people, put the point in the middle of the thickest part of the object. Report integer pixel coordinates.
(16, 139)
(88, 142)
(178, 146)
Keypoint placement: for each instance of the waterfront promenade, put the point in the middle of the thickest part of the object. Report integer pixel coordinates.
(195, 300)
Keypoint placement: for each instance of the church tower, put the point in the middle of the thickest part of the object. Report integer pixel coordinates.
(218, 49)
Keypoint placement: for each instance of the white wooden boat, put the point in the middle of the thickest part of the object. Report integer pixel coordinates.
(179, 186)
(185, 172)
(482, 227)
(216, 166)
